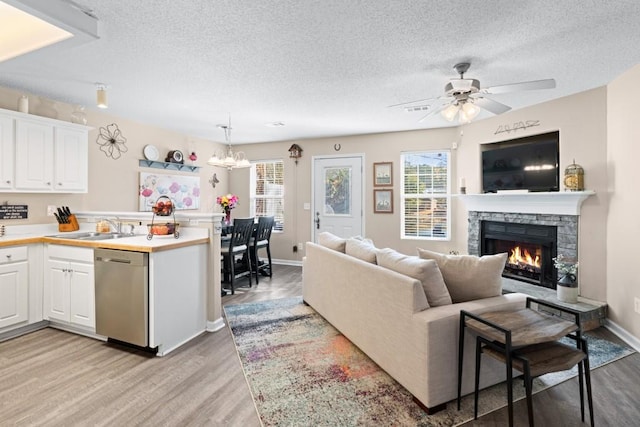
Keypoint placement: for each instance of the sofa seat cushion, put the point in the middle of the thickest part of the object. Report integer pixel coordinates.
(426, 271)
(331, 241)
(469, 277)
(362, 249)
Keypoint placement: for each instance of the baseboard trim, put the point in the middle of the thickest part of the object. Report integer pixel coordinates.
(287, 262)
(23, 330)
(623, 334)
(216, 325)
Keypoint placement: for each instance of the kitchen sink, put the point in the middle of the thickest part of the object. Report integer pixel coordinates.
(91, 235)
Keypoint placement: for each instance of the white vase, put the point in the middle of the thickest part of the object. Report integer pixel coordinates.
(567, 293)
(23, 104)
(79, 115)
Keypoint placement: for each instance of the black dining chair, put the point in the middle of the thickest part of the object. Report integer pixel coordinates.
(238, 246)
(261, 240)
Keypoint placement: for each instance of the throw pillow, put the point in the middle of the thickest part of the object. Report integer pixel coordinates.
(426, 271)
(469, 277)
(361, 249)
(331, 241)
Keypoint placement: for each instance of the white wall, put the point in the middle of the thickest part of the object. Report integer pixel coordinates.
(623, 227)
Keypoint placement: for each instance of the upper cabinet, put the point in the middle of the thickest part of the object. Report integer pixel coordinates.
(45, 155)
(6, 149)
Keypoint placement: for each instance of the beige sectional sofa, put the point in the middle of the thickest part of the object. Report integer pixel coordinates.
(388, 316)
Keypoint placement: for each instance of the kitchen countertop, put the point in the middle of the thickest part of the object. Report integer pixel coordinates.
(138, 243)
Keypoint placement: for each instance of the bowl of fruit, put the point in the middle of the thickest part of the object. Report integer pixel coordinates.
(163, 229)
(163, 206)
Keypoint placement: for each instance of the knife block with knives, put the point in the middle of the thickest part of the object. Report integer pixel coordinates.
(66, 220)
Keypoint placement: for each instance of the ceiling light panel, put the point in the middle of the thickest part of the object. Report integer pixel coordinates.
(22, 33)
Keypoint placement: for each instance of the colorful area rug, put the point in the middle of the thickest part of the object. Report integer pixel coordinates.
(302, 371)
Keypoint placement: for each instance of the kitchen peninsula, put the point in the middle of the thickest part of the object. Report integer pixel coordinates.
(183, 277)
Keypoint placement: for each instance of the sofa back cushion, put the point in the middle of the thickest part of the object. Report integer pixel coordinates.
(361, 248)
(331, 241)
(426, 271)
(469, 277)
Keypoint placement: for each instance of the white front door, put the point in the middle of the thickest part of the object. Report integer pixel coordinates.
(338, 195)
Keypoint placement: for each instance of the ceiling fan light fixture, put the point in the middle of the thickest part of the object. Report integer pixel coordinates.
(450, 112)
(470, 111)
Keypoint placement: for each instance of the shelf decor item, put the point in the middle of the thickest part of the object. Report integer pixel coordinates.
(227, 203)
(79, 115)
(23, 104)
(574, 177)
(567, 286)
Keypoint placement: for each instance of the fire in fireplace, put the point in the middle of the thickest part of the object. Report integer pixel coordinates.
(530, 247)
(524, 260)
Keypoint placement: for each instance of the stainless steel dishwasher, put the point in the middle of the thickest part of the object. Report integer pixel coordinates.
(122, 295)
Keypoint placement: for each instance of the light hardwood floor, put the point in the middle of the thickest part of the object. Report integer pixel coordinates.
(53, 378)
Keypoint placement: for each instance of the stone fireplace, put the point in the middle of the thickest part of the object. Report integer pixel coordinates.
(531, 249)
(532, 228)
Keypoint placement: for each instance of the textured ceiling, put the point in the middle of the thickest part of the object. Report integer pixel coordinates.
(325, 67)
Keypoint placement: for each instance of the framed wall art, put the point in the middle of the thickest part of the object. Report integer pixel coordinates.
(383, 174)
(184, 191)
(383, 201)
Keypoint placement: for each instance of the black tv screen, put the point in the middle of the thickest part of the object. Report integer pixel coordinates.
(530, 163)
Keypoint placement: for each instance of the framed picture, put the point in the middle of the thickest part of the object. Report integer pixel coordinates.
(382, 201)
(383, 174)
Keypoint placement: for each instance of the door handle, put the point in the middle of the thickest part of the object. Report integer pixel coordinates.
(317, 220)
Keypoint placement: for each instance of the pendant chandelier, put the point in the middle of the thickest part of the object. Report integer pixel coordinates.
(227, 158)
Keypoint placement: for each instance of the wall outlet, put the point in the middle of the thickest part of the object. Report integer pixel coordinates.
(636, 305)
(301, 247)
(50, 210)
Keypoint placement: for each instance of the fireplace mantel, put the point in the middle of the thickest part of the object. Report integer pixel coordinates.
(559, 203)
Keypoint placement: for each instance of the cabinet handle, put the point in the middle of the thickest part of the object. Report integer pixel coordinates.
(8, 181)
(59, 184)
(9, 256)
(48, 183)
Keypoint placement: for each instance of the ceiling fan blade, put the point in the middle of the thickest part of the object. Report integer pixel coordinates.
(492, 106)
(515, 87)
(411, 102)
(432, 112)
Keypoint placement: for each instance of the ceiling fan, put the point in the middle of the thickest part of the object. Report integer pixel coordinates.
(465, 98)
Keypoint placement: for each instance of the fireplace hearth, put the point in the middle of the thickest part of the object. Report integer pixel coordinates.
(530, 247)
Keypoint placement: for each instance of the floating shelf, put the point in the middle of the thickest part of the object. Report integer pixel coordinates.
(168, 166)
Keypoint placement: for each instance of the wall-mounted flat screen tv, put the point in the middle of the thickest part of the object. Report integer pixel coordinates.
(531, 163)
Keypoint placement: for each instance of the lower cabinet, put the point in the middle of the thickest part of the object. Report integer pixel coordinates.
(14, 286)
(69, 293)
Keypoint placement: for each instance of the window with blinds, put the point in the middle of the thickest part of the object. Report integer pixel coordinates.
(425, 195)
(267, 191)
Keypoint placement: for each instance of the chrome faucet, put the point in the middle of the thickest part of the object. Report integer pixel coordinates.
(117, 225)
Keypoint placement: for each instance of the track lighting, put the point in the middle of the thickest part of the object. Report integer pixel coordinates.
(101, 96)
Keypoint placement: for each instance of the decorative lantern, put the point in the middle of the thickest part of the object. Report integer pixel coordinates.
(295, 152)
(574, 177)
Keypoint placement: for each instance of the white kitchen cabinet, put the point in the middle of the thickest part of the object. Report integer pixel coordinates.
(6, 153)
(70, 160)
(34, 155)
(14, 286)
(45, 155)
(69, 291)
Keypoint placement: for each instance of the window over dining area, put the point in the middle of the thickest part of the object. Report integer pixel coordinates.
(267, 190)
